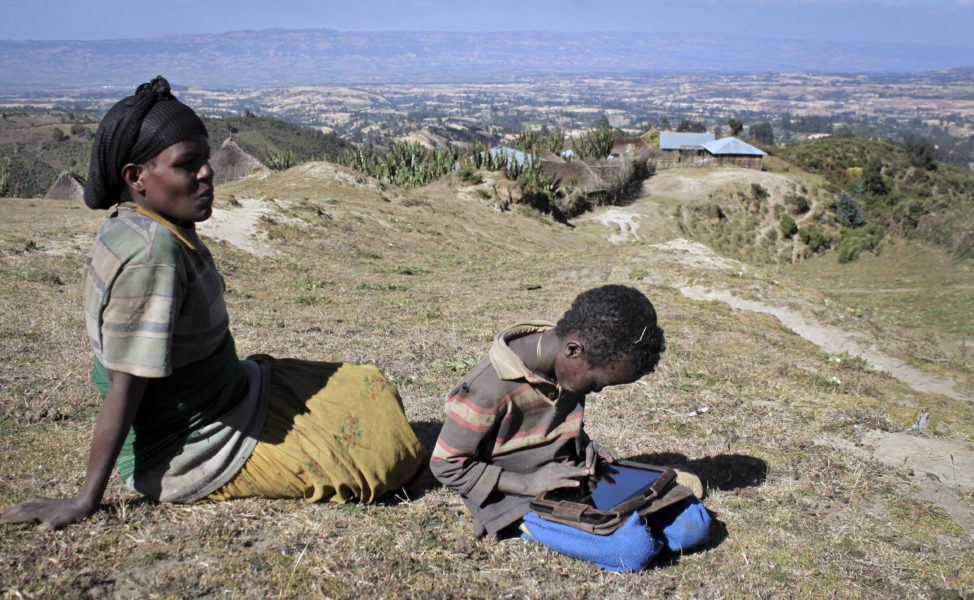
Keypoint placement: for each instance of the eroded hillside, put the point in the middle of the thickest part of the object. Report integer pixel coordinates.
(793, 438)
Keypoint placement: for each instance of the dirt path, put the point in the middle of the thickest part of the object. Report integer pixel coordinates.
(238, 225)
(834, 341)
(942, 469)
(626, 219)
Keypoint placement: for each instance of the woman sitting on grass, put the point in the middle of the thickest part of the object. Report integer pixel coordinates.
(183, 418)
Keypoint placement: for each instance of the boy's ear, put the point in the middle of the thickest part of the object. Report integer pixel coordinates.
(574, 348)
(132, 176)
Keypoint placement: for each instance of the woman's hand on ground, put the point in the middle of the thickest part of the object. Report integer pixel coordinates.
(50, 513)
(594, 451)
(549, 477)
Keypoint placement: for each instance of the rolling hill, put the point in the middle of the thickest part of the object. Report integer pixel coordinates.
(802, 414)
(274, 58)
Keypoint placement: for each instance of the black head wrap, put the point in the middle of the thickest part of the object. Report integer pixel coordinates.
(135, 130)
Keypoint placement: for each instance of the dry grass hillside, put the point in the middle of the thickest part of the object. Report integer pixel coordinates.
(817, 485)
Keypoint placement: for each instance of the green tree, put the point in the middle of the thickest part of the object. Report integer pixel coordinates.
(762, 133)
(848, 212)
(873, 183)
(921, 153)
(691, 126)
(736, 126)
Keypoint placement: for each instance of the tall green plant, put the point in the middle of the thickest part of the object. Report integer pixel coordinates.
(406, 164)
(534, 142)
(594, 145)
(281, 160)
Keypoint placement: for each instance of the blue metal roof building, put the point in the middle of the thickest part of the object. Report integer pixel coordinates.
(672, 140)
(734, 146)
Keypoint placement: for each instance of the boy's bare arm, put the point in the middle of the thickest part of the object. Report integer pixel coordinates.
(116, 416)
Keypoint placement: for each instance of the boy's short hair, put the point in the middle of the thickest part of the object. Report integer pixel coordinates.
(616, 322)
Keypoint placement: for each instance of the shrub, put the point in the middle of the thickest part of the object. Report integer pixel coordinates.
(798, 204)
(410, 164)
(759, 192)
(652, 138)
(873, 183)
(848, 212)
(468, 172)
(854, 241)
(814, 238)
(788, 227)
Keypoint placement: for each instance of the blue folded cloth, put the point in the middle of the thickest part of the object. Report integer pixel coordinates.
(629, 548)
(684, 525)
(632, 546)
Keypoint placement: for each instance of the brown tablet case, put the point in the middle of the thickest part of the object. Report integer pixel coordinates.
(663, 493)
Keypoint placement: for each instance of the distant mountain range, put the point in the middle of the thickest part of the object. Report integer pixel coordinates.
(272, 58)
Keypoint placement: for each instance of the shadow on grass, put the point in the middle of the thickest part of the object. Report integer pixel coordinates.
(417, 487)
(722, 472)
(427, 432)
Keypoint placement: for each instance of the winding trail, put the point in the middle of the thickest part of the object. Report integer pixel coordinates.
(834, 341)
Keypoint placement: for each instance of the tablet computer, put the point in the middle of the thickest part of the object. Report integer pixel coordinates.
(623, 485)
(612, 484)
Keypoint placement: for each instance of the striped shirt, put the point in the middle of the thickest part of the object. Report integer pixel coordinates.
(151, 305)
(154, 308)
(504, 416)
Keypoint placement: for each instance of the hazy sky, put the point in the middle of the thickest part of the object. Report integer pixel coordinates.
(942, 22)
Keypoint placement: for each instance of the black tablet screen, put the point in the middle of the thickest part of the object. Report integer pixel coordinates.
(621, 485)
(614, 485)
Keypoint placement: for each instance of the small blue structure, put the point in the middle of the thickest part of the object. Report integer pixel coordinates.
(672, 140)
(732, 146)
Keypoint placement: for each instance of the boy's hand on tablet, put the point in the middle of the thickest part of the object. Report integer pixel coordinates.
(594, 451)
(549, 477)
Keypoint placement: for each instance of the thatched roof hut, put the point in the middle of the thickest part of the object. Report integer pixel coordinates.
(630, 148)
(585, 178)
(230, 162)
(67, 186)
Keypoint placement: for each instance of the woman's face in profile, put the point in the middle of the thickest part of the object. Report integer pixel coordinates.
(178, 182)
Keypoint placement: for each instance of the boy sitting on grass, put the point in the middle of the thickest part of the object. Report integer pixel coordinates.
(514, 429)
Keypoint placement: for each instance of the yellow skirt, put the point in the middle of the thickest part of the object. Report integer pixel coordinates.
(334, 431)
